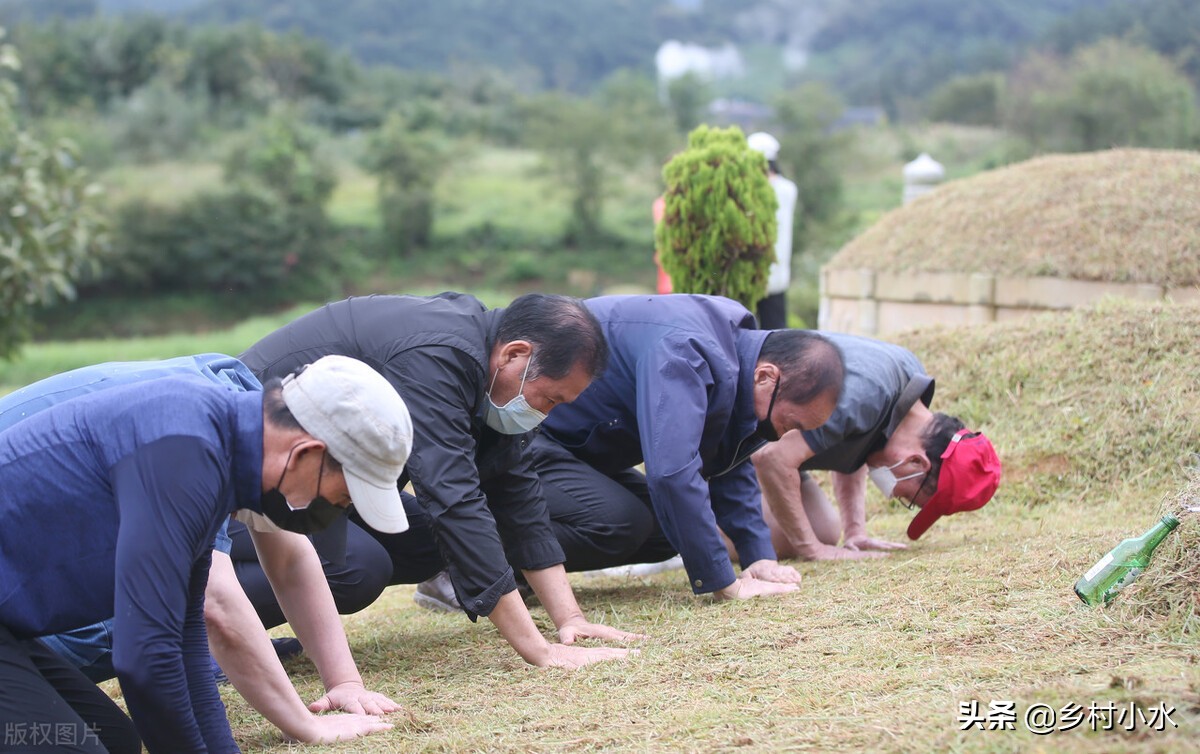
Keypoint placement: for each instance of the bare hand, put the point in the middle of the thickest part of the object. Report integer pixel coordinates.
(328, 729)
(863, 542)
(745, 588)
(832, 552)
(354, 698)
(770, 570)
(562, 656)
(581, 629)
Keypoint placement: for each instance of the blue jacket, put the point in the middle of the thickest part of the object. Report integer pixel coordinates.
(90, 648)
(109, 508)
(678, 396)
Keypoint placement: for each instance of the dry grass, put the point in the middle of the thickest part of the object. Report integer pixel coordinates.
(1095, 414)
(1140, 210)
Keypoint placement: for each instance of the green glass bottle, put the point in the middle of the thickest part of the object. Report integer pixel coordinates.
(1122, 565)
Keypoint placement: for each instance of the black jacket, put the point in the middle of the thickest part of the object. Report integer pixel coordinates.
(476, 484)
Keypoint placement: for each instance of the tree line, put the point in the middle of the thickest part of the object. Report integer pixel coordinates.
(263, 104)
(883, 52)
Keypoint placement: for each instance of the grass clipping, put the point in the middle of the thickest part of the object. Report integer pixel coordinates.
(1169, 591)
(1125, 215)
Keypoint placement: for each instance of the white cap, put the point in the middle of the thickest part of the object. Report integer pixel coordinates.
(761, 141)
(363, 421)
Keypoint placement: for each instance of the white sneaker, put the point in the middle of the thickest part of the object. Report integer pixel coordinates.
(437, 594)
(639, 569)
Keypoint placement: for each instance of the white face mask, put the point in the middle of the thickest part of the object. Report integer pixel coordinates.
(885, 480)
(515, 417)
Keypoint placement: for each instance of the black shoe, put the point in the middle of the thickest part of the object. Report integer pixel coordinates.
(287, 648)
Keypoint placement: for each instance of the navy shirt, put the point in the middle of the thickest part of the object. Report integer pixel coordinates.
(678, 395)
(109, 507)
(216, 368)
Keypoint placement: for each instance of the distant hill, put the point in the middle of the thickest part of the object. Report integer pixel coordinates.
(874, 52)
(152, 6)
(37, 11)
(880, 51)
(557, 44)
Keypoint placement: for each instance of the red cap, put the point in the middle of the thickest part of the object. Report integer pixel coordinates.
(969, 477)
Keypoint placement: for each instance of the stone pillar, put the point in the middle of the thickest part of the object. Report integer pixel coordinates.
(921, 176)
(981, 298)
(868, 306)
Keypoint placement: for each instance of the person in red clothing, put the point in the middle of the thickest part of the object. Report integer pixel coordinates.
(658, 209)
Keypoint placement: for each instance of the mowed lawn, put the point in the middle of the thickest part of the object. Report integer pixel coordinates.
(1095, 415)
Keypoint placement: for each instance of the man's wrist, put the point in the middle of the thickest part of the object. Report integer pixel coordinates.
(306, 729)
(535, 653)
(572, 619)
(854, 529)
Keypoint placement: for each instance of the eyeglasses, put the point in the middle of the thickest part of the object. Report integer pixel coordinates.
(912, 504)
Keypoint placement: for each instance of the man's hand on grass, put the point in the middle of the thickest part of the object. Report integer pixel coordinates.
(832, 552)
(354, 698)
(580, 628)
(563, 656)
(745, 588)
(862, 542)
(771, 570)
(328, 729)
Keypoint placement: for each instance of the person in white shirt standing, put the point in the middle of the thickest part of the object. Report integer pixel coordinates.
(772, 310)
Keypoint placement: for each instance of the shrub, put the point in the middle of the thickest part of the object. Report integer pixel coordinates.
(408, 164)
(50, 231)
(970, 100)
(237, 239)
(266, 230)
(718, 233)
(159, 122)
(1109, 94)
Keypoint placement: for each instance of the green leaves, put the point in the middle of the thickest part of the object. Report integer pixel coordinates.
(51, 232)
(408, 163)
(717, 236)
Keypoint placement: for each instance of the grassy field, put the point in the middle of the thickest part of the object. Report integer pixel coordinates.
(40, 360)
(498, 225)
(1096, 415)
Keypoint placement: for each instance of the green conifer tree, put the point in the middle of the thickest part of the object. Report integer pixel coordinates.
(51, 232)
(718, 233)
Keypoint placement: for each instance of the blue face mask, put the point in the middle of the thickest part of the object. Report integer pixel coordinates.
(515, 417)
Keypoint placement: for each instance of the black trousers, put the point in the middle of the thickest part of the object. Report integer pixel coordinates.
(355, 582)
(412, 555)
(600, 520)
(47, 705)
(772, 312)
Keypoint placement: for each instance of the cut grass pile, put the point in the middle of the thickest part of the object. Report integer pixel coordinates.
(1139, 211)
(1095, 414)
